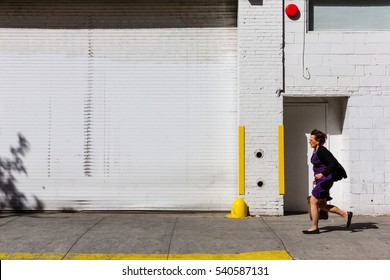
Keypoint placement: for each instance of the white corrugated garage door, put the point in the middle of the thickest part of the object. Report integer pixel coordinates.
(125, 104)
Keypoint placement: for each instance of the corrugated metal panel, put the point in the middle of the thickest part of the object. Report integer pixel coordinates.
(125, 106)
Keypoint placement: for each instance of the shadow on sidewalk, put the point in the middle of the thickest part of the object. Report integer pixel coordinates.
(356, 227)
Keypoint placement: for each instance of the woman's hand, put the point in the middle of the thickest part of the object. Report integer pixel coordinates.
(318, 176)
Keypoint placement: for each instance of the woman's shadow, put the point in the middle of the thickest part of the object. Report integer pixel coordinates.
(355, 227)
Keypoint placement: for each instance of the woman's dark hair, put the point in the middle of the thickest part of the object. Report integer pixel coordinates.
(319, 136)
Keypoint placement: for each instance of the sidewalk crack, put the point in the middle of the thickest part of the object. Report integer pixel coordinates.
(170, 240)
(280, 239)
(88, 230)
(9, 221)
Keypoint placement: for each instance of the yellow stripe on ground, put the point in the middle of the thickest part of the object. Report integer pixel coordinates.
(30, 256)
(116, 257)
(264, 255)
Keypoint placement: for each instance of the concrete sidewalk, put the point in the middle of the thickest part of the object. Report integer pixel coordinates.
(148, 235)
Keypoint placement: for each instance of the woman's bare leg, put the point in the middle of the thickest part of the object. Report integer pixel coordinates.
(315, 213)
(332, 209)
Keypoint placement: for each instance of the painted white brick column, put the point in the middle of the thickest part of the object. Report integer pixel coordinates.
(260, 40)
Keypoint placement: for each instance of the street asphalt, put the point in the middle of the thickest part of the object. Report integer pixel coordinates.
(189, 235)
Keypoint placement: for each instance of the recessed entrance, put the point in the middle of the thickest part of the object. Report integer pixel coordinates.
(301, 116)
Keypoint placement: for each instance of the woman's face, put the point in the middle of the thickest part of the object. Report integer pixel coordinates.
(313, 142)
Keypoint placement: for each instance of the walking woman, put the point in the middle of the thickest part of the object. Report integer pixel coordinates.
(327, 170)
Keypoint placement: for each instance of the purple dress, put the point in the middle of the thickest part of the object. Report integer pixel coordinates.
(323, 185)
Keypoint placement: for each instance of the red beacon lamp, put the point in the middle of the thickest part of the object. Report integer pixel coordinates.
(291, 10)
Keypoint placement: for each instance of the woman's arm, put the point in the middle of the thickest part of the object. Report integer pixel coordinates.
(327, 158)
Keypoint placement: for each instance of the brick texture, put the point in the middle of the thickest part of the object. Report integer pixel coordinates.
(354, 64)
(260, 110)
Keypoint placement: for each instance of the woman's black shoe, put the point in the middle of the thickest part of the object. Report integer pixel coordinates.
(350, 214)
(316, 231)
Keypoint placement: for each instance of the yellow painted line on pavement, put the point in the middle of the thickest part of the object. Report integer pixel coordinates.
(116, 257)
(263, 255)
(30, 256)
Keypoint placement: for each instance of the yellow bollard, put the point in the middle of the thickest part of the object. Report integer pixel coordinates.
(239, 209)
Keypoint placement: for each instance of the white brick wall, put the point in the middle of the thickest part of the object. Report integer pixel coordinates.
(260, 109)
(354, 64)
(367, 137)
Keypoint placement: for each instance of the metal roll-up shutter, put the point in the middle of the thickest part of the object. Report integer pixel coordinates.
(125, 105)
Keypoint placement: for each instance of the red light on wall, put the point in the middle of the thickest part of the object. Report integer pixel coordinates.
(291, 10)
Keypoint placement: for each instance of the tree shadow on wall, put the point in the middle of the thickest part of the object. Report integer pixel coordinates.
(10, 197)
